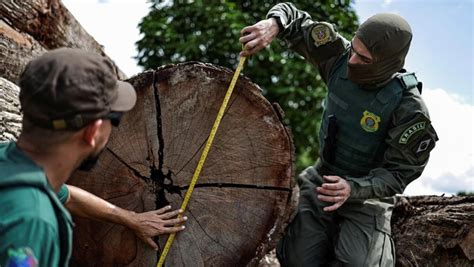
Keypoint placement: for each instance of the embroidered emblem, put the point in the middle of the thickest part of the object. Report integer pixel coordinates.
(370, 122)
(423, 146)
(321, 34)
(410, 131)
(22, 257)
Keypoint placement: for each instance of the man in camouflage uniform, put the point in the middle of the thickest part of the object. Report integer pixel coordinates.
(375, 137)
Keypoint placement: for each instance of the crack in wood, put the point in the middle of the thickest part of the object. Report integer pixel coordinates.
(233, 185)
(134, 171)
(163, 181)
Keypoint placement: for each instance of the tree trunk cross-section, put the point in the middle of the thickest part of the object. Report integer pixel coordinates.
(243, 198)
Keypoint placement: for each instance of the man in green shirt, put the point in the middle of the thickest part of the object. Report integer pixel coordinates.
(375, 137)
(70, 99)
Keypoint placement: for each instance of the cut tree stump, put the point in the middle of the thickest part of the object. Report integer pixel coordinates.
(243, 198)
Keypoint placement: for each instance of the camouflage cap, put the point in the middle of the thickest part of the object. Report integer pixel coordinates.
(65, 89)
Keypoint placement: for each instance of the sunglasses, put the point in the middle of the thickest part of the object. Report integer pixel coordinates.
(114, 118)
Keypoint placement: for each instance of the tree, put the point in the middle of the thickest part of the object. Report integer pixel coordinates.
(180, 31)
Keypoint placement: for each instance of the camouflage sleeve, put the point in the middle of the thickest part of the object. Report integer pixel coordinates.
(318, 42)
(409, 143)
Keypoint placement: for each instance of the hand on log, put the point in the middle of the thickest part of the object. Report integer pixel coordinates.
(149, 224)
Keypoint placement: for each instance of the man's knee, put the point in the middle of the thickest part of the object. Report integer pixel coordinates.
(377, 251)
(306, 242)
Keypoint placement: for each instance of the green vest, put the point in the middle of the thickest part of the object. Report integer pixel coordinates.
(32, 217)
(355, 121)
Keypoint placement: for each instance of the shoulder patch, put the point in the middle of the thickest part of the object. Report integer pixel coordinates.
(321, 34)
(408, 80)
(21, 257)
(410, 131)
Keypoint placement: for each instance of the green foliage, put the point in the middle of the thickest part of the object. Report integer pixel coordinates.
(208, 31)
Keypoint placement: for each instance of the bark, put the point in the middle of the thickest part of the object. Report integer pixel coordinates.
(16, 49)
(243, 198)
(434, 231)
(10, 117)
(29, 28)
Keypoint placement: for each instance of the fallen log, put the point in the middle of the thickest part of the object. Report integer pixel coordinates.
(243, 198)
(16, 50)
(29, 28)
(434, 231)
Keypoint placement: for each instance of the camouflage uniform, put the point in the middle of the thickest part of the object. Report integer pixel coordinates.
(378, 139)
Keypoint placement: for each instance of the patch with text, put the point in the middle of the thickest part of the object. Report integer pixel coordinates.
(410, 131)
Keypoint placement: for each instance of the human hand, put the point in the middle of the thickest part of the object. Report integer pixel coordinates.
(258, 36)
(336, 190)
(157, 222)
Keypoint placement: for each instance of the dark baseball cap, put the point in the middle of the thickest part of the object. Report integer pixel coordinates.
(66, 89)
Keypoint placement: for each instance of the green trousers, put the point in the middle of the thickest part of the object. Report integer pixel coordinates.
(356, 234)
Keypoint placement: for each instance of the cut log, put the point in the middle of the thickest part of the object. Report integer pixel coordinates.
(243, 198)
(29, 28)
(16, 50)
(428, 231)
(434, 231)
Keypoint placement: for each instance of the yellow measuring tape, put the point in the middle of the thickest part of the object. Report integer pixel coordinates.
(187, 197)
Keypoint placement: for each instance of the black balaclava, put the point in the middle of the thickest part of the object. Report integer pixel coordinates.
(387, 37)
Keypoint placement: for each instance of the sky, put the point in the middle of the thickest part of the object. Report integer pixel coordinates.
(441, 55)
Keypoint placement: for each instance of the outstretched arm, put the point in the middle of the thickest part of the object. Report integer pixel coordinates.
(318, 42)
(145, 225)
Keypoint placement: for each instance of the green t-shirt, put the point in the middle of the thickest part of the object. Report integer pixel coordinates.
(35, 228)
(63, 194)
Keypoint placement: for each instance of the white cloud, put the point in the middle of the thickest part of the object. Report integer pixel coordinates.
(451, 165)
(114, 24)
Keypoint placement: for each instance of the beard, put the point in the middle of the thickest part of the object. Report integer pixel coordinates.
(88, 163)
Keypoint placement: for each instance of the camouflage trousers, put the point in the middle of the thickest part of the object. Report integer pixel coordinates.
(356, 234)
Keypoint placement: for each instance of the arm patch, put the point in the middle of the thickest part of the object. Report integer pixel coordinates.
(418, 138)
(323, 33)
